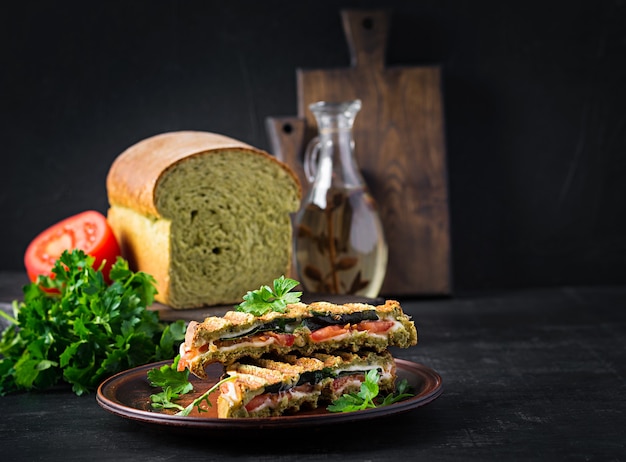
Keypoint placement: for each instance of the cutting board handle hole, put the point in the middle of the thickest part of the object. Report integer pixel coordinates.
(287, 128)
(368, 23)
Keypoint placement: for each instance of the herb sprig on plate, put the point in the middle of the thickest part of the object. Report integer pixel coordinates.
(174, 384)
(367, 397)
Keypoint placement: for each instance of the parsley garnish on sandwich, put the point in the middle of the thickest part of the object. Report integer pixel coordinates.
(259, 302)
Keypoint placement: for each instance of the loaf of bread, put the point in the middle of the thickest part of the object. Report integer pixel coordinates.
(206, 215)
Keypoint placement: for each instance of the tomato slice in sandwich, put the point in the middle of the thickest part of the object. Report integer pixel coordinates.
(328, 332)
(88, 231)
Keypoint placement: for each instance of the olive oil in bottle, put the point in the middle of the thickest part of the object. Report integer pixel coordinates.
(340, 249)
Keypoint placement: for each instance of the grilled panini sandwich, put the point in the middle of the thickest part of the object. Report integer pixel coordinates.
(265, 387)
(301, 328)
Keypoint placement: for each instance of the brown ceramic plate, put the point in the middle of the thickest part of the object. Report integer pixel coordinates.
(127, 395)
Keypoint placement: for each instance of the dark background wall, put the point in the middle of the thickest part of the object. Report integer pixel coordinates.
(534, 93)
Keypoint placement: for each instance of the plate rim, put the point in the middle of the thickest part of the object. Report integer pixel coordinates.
(432, 391)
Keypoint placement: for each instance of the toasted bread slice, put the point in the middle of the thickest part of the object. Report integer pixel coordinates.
(266, 387)
(303, 329)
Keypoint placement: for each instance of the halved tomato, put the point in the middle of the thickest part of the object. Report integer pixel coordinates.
(88, 231)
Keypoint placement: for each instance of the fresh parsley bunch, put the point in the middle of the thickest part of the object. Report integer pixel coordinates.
(75, 328)
(265, 299)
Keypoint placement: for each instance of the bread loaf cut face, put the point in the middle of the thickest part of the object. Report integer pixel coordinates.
(206, 215)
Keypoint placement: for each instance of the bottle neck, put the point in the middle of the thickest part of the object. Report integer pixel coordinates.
(336, 166)
(337, 155)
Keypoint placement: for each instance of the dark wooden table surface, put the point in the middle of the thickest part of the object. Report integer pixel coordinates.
(528, 375)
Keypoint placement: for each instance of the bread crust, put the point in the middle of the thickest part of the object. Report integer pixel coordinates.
(145, 244)
(135, 173)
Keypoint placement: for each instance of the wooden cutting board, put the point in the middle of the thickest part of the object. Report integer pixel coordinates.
(399, 144)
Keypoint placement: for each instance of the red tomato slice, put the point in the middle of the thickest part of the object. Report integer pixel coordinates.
(328, 332)
(375, 327)
(258, 400)
(340, 383)
(283, 339)
(88, 231)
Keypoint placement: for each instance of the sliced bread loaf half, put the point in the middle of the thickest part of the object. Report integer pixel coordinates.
(206, 215)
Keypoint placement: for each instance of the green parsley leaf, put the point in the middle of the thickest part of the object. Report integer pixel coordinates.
(165, 400)
(168, 375)
(85, 330)
(174, 385)
(266, 299)
(173, 382)
(369, 388)
(403, 391)
(367, 397)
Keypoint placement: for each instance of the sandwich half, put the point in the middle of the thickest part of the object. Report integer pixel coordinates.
(301, 328)
(265, 387)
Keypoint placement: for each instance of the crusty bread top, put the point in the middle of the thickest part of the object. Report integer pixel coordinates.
(135, 173)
